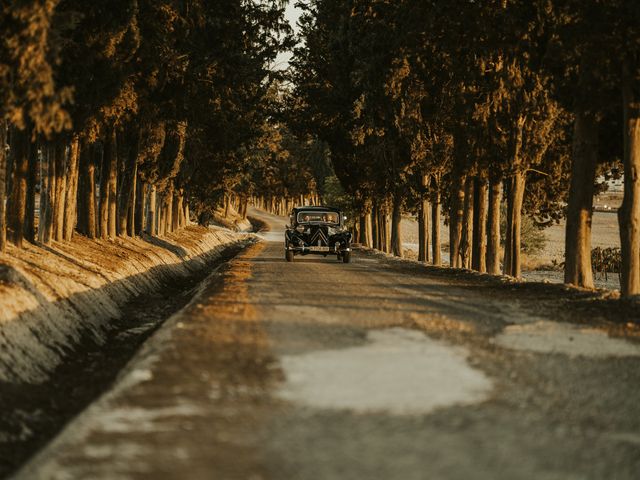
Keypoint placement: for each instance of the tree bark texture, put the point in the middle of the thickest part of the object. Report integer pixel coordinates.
(3, 186)
(177, 207)
(455, 220)
(127, 185)
(18, 200)
(32, 180)
(113, 186)
(629, 212)
(365, 230)
(467, 224)
(61, 189)
(132, 208)
(88, 199)
(423, 224)
(71, 201)
(151, 217)
(514, 223)
(46, 206)
(375, 229)
(479, 244)
(493, 226)
(577, 267)
(104, 186)
(396, 226)
(141, 195)
(436, 249)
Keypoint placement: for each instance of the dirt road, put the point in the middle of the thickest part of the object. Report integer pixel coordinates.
(378, 369)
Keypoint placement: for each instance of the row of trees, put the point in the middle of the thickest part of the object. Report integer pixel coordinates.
(466, 105)
(127, 115)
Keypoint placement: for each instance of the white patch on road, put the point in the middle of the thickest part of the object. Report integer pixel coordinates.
(401, 372)
(552, 337)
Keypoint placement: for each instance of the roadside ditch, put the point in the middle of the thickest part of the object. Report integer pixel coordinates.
(32, 413)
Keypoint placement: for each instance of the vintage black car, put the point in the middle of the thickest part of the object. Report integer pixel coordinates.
(317, 230)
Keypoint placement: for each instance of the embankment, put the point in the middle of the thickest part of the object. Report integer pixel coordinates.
(53, 297)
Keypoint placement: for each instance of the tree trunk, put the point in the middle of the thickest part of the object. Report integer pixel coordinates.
(226, 207)
(467, 224)
(151, 218)
(104, 186)
(46, 206)
(423, 224)
(514, 223)
(141, 196)
(365, 230)
(436, 248)
(577, 267)
(385, 229)
(113, 186)
(493, 226)
(479, 250)
(3, 185)
(455, 220)
(187, 219)
(131, 209)
(396, 226)
(177, 208)
(18, 200)
(87, 201)
(32, 180)
(629, 212)
(375, 229)
(61, 189)
(127, 187)
(169, 211)
(71, 200)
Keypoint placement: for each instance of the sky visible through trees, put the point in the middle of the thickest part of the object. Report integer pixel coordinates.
(139, 116)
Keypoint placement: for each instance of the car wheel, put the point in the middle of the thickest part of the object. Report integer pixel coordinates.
(289, 255)
(346, 257)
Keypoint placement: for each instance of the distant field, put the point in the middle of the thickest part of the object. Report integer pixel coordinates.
(605, 234)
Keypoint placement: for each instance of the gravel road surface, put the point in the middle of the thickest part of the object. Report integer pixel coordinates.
(378, 369)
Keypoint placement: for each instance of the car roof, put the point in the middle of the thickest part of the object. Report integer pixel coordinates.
(315, 208)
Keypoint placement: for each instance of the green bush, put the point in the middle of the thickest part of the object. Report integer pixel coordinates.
(532, 236)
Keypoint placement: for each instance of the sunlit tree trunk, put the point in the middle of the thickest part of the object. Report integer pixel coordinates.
(71, 200)
(141, 200)
(436, 248)
(88, 199)
(32, 180)
(455, 220)
(61, 189)
(423, 224)
(3, 185)
(515, 197)
(177, 208)
(104, 186)
(169, 211)
(577, 267)
(629, 212)
(18, 201)
(479, 250)
(113, 186)
(187, 218)
(375, 229)
(48, 198)
(493, 226)
(467, 224)
(151, 218)
(127, 187)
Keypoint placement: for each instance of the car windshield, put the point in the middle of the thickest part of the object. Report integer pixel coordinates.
(320, 217)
